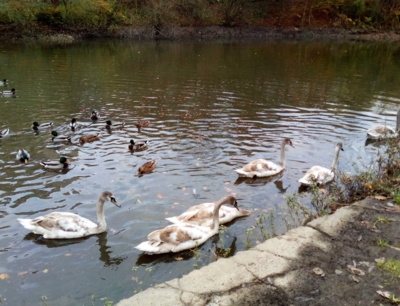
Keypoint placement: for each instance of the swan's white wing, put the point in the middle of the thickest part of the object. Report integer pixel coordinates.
(259, 168)
(60, 225)
(320, 175)
(378, 132)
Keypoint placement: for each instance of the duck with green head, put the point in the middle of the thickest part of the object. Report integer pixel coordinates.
(3, 83)
(72, 124)
(58, 138)
(36, 126)
(138, 145)
(62, 163)
(94, 115)
(9, 93)
(110, 125)
(23, 156)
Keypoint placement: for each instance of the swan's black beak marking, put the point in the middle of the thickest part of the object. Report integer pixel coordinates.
(114, 201)
(235, 205)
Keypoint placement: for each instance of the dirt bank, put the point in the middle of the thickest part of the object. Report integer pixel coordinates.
(41, 33)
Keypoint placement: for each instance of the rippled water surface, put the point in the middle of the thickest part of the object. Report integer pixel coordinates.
(212, 107)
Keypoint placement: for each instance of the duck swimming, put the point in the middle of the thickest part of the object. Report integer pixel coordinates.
(23, 156)
(58, 138)
(36, 126)
(9, 93)
(62, 163)
(4, 132)
(139, 145)
(109, 124)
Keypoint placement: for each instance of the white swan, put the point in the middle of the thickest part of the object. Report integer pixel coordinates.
(202, 214)
(263, 167)
(380, 131)
(322, 175)
(65, 225)
(182, 236)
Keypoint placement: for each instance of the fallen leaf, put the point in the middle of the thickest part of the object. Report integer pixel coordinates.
(139, 201)
(45, 270)
(4, 276)
(319, 272)
(134, 278)
(160, 196)
(166, 213)
(23, 273)
(380, 198)
(178, 258)
(68, 254)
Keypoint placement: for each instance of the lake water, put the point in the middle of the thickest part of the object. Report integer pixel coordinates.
(212, 107)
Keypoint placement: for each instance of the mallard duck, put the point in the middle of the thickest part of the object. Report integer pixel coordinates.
(62, 163)
(202, 214)
(142, 123)
(73, 124)
(88, 138)
(66, 225)
(109, 124)
(59, 138)
(182, 236)
(4, 132)
(137, 145)
(380, 131)
(321, 175)
(3, 83)
(263, 167)
(94, 115)
(147, 167)
(23, 156)
(36, 126)
(9, 93)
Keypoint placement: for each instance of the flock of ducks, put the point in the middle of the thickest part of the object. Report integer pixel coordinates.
(194, 226)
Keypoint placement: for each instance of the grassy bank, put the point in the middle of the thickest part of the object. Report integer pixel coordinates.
(108, 14)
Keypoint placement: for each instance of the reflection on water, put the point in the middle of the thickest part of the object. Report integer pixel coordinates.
(212, 108)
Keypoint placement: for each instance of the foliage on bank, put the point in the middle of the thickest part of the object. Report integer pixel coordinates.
(366, 14)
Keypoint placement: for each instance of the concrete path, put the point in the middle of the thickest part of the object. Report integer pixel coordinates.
(331, 261)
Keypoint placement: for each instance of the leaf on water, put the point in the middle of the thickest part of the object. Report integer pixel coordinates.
(178, 258)
(380, 198)
(139, 201)
(45, 270)
(160, 196)
(23, 273)
(322, 190)
(4, 276)
(134, 278)
(226, 183)
(229, 189)
(166, 213)
(68, 254)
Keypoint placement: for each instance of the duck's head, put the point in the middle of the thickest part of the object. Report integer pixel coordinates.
(13, 90)
(63, 160)
(4, 81)
(54, 133)
(25, 158)
(109, 122)
(35, 124)
(73, 120)
(132, 142)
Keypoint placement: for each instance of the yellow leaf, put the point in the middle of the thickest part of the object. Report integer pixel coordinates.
(178, 258)
(380, 198)
(22, 273)
(4, 276)
(160, 196)
(139, 201)
(68, 254)
(45, 270)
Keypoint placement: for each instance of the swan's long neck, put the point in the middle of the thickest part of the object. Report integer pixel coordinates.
(283, 161)
(215, 224)
(101, 219)
(335, 160)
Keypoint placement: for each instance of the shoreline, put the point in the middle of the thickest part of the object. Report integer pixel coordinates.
(11, 33)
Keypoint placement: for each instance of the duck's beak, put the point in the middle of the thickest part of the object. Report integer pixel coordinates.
(26, 161)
